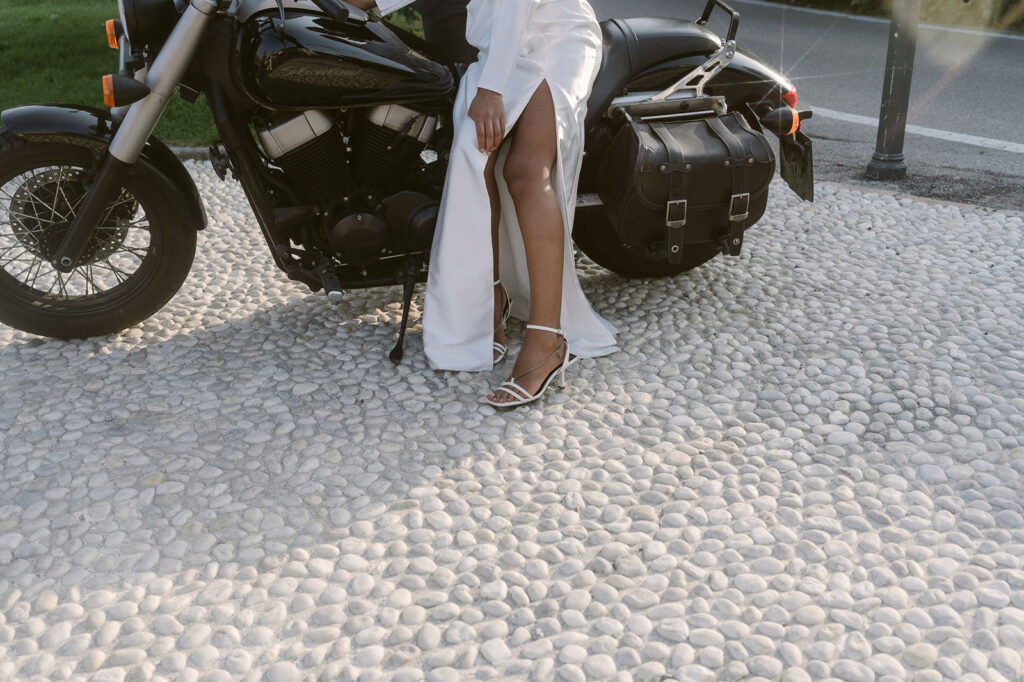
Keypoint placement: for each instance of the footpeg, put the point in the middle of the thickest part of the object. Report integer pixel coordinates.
(332, 287)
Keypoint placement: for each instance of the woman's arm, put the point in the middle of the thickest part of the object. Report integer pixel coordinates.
(507, 35)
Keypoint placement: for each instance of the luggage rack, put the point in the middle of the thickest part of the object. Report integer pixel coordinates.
(684, 98)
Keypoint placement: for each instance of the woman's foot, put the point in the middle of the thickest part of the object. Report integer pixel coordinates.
(501, 304)
(541, 354)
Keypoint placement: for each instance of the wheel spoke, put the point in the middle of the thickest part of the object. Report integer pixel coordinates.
(67, 202)
(137, 252)
(41, 202)
(27, 268)
(35, 276)
(121, 275)
(56, 194)
(86, 273)
(30, 217)
(15, 258)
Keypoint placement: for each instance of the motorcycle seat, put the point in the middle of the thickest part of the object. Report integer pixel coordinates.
(631, 46)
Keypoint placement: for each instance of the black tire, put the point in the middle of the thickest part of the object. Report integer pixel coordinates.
(136, 261)
(594, 235)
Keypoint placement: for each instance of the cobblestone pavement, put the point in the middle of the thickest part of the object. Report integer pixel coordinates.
(805, 463)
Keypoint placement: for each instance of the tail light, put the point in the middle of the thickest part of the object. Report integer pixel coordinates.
(789, 98)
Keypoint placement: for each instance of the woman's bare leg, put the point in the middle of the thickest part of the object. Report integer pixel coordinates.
(528, 172)
(495, 197)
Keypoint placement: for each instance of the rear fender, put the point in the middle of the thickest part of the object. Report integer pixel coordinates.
(93, 129)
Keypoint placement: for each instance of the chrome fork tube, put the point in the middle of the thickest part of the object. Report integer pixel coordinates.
(163, 79)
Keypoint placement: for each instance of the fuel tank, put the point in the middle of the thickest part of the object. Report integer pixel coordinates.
(312, 62)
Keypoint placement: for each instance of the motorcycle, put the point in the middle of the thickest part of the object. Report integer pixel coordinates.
(337, 125)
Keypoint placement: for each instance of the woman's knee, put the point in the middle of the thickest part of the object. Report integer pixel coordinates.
(525, 175)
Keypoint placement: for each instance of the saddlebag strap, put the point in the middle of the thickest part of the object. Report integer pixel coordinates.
(739, 203)
(677, 169)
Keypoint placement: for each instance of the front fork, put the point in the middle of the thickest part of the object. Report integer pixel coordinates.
(163, 78)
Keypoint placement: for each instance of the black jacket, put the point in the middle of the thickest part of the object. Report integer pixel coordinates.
(444, 27)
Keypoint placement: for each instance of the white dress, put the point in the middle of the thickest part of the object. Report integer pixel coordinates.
(522, 43)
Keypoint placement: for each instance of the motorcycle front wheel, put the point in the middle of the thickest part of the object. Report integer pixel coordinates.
(594, 234)
(136, 260)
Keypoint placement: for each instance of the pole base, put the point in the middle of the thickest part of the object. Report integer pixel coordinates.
(888, 167)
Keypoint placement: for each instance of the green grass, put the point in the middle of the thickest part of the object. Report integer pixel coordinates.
(55, 51)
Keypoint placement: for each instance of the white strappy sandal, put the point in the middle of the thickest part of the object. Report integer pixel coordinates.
(521, 395)
(506, 310)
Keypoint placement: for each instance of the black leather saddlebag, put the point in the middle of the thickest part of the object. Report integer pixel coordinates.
(667, 184)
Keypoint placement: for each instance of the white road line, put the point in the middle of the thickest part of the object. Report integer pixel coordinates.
(987, 142)
(883, 20)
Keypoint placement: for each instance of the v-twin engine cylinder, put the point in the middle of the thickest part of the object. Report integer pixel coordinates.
(310, 149)
(391, 142)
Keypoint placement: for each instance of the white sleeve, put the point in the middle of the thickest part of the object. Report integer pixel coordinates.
(507, 35)
(389, 6)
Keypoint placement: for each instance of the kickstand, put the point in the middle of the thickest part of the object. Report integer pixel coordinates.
(408, 278)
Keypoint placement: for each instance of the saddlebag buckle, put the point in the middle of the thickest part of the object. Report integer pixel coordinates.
(739, 207)
(675, 214)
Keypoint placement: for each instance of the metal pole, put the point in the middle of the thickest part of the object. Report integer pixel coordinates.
(887, 162)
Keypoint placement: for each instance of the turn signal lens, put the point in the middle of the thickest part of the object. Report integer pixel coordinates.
(796, 121)
(120, 90)
(114, 33)
(789, 98)
(108, 90)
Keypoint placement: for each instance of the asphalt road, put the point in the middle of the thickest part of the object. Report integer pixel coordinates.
(966, 83)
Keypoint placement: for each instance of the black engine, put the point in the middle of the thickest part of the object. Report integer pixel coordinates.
(362, 192)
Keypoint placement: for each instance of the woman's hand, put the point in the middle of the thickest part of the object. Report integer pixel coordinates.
(488, 112)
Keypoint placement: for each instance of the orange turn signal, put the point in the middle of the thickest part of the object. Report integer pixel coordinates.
(113, 34)
(120, 90)
(782, 121)
(796, 122)
(108, 90)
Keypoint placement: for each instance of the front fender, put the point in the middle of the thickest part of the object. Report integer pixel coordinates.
(92, 128)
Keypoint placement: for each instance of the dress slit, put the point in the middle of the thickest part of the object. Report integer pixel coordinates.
(509, 231)
(562, 49)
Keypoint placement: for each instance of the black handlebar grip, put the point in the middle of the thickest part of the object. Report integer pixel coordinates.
(334, 9)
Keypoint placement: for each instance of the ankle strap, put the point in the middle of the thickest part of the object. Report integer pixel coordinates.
(546, 329)
(496, 282)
